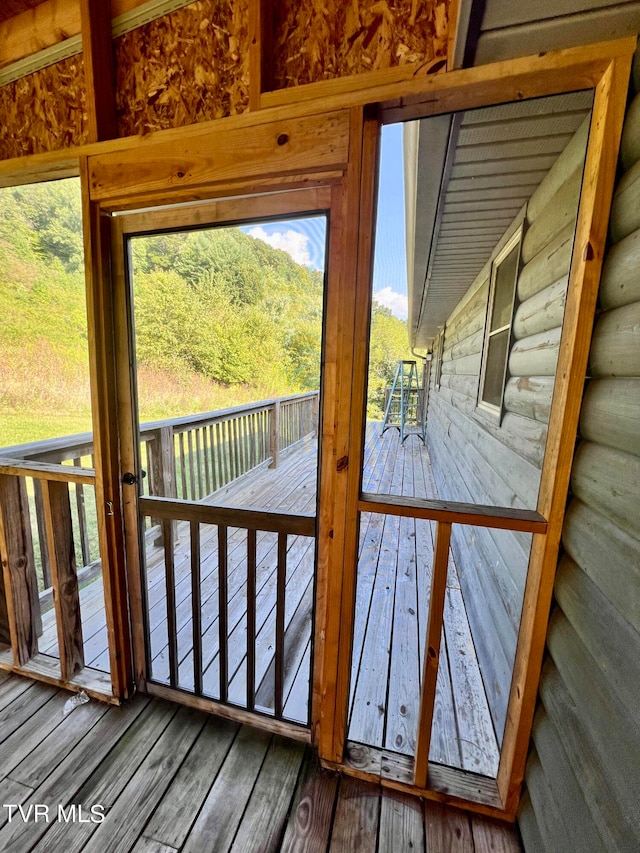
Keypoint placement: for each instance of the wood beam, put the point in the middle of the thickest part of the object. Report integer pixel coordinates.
(260, 41)
(104, 405)
(97, 51)
(48, 24)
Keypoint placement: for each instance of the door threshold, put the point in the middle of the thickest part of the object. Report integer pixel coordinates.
(450, 785)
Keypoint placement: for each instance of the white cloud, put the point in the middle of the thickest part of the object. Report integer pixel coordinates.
(292, 242)
(396, 302)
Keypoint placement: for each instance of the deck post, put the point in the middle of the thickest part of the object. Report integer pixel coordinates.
(162, 466)
(20, 584)
(274, 434)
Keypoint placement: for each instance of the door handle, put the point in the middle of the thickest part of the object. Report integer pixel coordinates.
(130, 479)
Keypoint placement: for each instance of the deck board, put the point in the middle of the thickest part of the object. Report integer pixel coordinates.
(173, 779)
(395, 558)
(391, 628)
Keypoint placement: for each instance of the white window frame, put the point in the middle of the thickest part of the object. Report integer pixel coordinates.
(438, 352)
(515, 241)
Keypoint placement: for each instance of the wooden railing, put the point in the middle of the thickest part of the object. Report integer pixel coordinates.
(189, 457)
(48, 522)
(21, 622)
(235, 579)
(194, 456)
(445, 514)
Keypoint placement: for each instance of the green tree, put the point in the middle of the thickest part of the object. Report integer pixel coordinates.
(389, 344)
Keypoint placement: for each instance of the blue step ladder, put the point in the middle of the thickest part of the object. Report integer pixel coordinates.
(404, 407)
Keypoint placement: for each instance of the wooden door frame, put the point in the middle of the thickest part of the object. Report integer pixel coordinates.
(207, 213)
(319, 136)
(607, 71)
(274, 190)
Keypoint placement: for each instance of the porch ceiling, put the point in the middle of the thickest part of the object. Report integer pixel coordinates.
(9, 8)
(466, 177)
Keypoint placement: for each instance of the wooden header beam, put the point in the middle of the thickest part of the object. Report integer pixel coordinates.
(402, 93)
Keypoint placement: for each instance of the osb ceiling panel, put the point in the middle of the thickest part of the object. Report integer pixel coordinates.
(44, 111)
(322, 39)
(9, 8)
(186, 67)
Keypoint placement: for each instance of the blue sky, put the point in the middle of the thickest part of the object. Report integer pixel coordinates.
(304, 239)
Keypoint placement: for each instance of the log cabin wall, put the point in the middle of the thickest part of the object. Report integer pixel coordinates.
(479, 460)
(582, 777)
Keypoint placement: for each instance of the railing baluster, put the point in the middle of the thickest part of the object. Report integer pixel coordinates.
(220, 481)
(212, 445)
(196, 607)
(170, 586)
(274, 434)
(246, 442)
(236, 452)
(85, 546)
(66, 598)
(192, 473)
(199, 464)
(206, 459)
(241, 445)
(42, 534)
(222, 611)
(251, 426)
(280, 603)
(432, 652)
(183, 467)
(251, 619)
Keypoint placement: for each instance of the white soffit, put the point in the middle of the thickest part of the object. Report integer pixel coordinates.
(473, 172)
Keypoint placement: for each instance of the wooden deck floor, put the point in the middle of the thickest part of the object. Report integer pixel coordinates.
(391, 612)
(166, 779)
(394, 578)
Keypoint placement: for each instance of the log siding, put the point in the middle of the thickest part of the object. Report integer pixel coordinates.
(582, 776)
(478, 459)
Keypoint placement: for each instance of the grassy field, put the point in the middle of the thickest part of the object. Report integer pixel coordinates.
(22, 428)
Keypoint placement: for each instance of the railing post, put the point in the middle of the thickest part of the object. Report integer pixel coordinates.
(20, 585)
(274, 433)
(432, 652)
(162, 463)
(162, 467)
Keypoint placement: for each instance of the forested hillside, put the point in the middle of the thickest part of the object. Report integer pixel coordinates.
(221, 318)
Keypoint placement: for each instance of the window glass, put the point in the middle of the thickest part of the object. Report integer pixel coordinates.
(495, 368)
(506, 275)
(498, 331)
